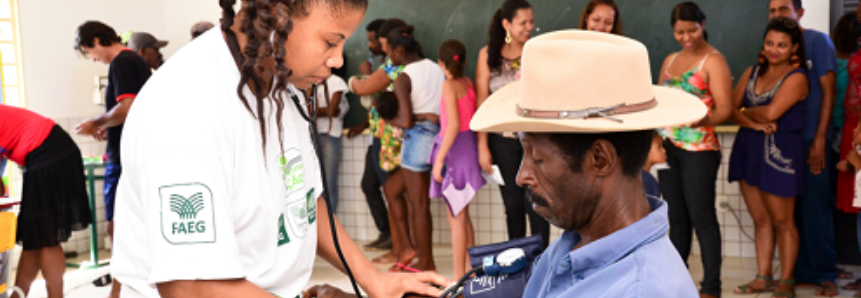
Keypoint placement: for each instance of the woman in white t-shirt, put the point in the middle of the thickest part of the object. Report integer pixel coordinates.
(220, 194)
(330, 127)
(419, 89)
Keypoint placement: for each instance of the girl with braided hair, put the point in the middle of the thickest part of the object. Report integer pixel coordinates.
(223, 189)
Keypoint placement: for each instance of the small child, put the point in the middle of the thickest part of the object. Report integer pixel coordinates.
(456, 172)
(391, 137)
(852, 163)
(657, 155)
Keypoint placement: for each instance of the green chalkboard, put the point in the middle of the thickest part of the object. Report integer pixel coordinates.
(735, 27)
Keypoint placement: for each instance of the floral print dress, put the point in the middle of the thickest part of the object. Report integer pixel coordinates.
(686, 137)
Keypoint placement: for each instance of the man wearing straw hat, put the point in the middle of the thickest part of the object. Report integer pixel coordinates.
(585, 109)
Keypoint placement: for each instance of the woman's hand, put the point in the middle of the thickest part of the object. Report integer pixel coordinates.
(485, 159)
(395, 285)
(843, 166)
(766, 128)
(437, 172)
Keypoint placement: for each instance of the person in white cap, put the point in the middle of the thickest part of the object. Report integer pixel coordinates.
(583, 152)
(200, 27)
(148, 47)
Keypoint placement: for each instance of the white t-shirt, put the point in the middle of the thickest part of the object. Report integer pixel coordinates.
(198, 199)
(426, 78)
(336, 84)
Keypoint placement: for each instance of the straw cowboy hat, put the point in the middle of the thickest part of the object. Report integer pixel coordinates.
(586, 82)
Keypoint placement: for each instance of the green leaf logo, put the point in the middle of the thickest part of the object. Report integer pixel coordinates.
(186, 208)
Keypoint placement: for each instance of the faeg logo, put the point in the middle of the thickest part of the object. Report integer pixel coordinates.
(292, 170)
(187, 214)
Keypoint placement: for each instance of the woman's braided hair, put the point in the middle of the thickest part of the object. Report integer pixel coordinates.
(267, 24)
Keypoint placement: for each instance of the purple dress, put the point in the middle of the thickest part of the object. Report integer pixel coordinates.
(462, 173)
(773, 163)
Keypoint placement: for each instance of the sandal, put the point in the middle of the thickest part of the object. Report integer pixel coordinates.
(827, 289)
(747, 289)
(780, 294)
(401, 267)
(853, 286)
(844, 274)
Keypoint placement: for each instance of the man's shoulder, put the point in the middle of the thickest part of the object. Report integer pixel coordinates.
(815, 37)
(126, 58)
(661, 270)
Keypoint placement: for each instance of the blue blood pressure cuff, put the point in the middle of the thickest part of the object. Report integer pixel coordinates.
(502, 285)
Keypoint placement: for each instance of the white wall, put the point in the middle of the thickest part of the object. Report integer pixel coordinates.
(59, 81)
(179, 16)
(817, 15)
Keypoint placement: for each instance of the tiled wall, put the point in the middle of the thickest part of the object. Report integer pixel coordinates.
(488, 215)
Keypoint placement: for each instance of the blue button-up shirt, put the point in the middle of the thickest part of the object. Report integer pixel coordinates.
(637, 261)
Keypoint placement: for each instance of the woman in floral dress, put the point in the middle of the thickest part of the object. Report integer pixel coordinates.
(693, 151)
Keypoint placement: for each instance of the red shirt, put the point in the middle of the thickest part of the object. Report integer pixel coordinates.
(21, 132)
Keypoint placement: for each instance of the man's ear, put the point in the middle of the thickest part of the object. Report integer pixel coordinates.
(602, 159)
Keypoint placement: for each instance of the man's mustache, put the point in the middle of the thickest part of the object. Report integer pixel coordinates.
(535, 198)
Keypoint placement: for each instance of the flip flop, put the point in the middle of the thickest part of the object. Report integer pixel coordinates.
(747, 289)
(844, 274)
(790, 294)
(827, 289)
(853, 286)
(407, 268)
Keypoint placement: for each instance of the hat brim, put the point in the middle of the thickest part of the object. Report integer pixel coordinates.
(160, 44)
(675, 107)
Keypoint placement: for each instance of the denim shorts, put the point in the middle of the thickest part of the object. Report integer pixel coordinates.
(418, 143)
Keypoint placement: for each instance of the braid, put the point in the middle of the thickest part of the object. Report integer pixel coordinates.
(283, 25)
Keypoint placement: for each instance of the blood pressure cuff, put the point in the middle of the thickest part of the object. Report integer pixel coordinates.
(503, 285)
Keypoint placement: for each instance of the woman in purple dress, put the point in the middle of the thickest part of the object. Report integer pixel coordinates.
(767, 157)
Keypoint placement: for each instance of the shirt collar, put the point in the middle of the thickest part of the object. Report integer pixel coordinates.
(606, 251)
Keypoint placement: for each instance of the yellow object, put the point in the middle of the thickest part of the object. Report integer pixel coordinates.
(8, 223)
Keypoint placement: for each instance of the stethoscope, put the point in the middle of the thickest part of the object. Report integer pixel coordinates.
(233, 45)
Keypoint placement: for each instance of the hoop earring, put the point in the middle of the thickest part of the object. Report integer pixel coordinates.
(507, 36)
(795, 61)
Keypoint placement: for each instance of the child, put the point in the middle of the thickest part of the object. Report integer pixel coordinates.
(456, 172)
(852, 164)
(656, 155)
(391, 139)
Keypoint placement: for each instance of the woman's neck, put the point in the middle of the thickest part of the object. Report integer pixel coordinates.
(411, 57)
(700, 49)
(514, 49)
(779, 68)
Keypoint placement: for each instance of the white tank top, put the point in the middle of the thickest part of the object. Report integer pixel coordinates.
(426, 78)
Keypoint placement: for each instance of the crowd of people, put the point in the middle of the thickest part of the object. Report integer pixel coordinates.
(797, 151)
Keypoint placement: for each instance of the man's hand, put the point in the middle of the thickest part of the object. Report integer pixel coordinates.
(87, 128)
(816, 158)
(102, 135)
(325, 291)
(395, 285)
